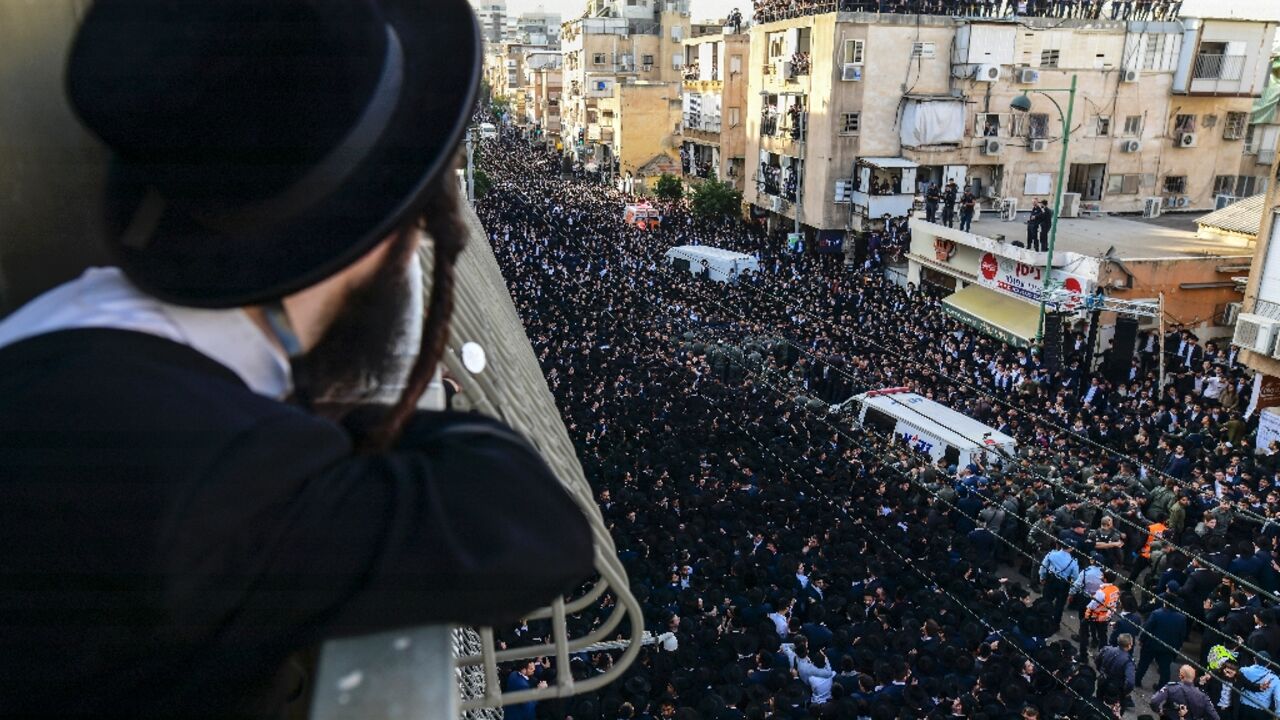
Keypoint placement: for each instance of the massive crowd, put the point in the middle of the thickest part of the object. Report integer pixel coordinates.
(811, 569)
(771, 10)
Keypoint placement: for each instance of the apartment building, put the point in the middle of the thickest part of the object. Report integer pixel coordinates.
(1258, 325)
(713, 136)
(507, 69)
(538, 27)
(1263, 135)
(624, 55)
(840, 102)
(492, 16)
(543, 88)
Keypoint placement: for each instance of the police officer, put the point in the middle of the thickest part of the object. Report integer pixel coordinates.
(1183, 700)
(1033, 227)
(949, 203)
(1058, 570)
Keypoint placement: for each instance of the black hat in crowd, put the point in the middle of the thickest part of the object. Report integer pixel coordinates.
(259, 146)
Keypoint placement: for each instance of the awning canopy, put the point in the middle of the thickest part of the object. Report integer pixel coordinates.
(992, 313)
(885, 163)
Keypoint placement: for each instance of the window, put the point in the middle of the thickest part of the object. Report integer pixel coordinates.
(1038, 126)
(677, 61)
(1102, 127)
(925, 50)
(1153, 52)
(1224, 184)
(1184, 123)
(853, 50)
(646, 60)
(1247, 185)
(1018, 126)
(598, 58)
(1233, 128)
(1038, 184)
(850, 123)
(1251, 140)
(735, 117)
(1123, 184)
(735, 64)
(1133, 126)
(1175, 184)
(1049, 58)
(677, 33)
(986, 125)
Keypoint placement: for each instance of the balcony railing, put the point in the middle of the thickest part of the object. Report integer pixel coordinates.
(1218, 67)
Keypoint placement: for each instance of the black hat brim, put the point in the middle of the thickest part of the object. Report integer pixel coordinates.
(186, 262)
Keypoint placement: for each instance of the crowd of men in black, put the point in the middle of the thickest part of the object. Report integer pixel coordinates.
(809, 569)
(772, 10)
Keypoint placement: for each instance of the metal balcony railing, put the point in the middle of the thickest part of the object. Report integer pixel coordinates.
(1218, 67)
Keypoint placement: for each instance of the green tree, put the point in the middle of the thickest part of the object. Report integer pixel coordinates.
(482, 182)
(500, 105)
(715, 200)
(669, 187)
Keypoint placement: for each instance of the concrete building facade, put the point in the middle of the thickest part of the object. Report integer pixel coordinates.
(1160, 116)
(624, 55)
(713, 132)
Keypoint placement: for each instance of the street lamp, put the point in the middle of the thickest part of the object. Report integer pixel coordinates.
(1022, 103)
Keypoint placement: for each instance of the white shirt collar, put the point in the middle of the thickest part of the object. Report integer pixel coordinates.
(104, 298)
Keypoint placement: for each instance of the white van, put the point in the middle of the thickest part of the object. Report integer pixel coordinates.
(931, 427)
(719, 265)
(488, 131)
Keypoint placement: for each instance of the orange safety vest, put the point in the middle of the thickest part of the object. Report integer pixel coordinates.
(1153, 531)
(1110, 601)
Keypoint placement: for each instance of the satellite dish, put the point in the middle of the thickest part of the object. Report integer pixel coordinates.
(473, 358)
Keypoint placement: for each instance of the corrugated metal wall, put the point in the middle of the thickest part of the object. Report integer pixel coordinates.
(50, 169)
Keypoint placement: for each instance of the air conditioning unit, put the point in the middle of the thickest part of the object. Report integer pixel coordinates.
(1151, 207)
(1070, 205)
(1130, 146)
(1027, 76)
(1038, 146)
(1221, 201)
(1255, 332)
(1009, 209)
(1129, 76)
(851, 73)
(991, 146)
(1186, 140)
(775, 204)
(987, 73)
(1230, 314)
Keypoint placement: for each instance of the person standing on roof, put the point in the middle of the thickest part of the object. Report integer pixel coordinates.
(180, 513)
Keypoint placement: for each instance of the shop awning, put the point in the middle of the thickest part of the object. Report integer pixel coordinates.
(992, 313)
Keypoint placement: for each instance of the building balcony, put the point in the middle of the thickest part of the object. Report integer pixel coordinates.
(1218, 67)
(875, 206)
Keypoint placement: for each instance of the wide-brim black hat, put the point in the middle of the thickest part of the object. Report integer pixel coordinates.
(260, 146)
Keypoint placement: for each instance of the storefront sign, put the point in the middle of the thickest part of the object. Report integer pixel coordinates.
(1268, 428)
(944, 249)
(1027, 281)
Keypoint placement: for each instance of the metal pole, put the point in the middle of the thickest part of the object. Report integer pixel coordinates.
(804, 116)
(1160, 379)
(471, 176)
(1057, 203)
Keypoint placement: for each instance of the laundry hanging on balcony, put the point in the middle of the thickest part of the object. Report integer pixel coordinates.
(928, 121)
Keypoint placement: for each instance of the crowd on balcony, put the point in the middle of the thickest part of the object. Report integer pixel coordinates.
(808, 569)
(772, 10)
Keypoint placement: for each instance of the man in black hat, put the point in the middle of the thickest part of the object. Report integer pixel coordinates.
(178, 517)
